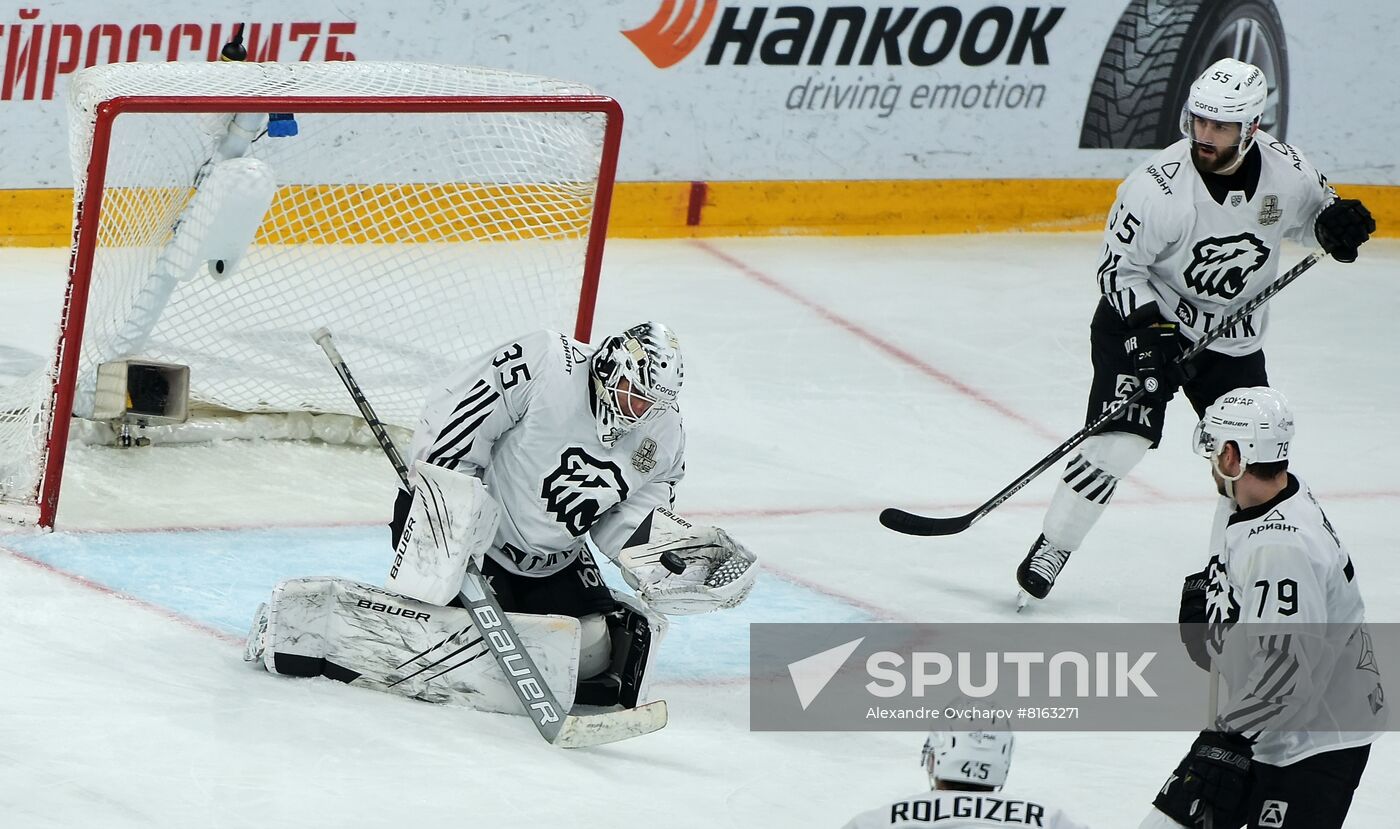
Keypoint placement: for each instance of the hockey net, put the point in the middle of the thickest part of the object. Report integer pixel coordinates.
(422, 213)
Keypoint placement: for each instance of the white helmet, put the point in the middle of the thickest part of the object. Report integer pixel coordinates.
(1231, 91)
(636, 376)
(1258, 420)
(981, 757)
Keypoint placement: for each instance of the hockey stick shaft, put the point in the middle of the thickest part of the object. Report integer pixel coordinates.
(519, 667)
(322, 336)
(912, 524)
(1213, 711)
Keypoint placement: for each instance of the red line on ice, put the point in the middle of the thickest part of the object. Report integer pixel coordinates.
(82, 581)
(885, 346)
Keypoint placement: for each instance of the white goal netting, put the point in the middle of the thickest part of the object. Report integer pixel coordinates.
(421, 212)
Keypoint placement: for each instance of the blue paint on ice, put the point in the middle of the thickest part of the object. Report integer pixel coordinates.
(218, 577)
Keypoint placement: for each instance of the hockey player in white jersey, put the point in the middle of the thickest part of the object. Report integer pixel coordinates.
(966, 772)
(1196, 233)
(518, 460)
(1278, 613)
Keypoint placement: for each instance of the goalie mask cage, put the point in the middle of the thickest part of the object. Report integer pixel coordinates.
(423, 213)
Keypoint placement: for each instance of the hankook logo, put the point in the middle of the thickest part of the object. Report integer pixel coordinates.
(846, 35)
(670, 35)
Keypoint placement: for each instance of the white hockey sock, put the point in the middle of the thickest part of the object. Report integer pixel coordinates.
(1090, 478)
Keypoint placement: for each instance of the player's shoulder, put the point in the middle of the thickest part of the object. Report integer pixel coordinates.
(662, 439)
(1284, 521)
(1284, 161)
(551, 351)
(1161, 180)
(916, 807)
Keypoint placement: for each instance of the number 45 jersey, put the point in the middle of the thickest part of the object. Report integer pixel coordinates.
(1300, 672)
(519, 418)
(1199, 250)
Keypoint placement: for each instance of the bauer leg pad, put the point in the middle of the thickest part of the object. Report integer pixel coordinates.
(368, 637)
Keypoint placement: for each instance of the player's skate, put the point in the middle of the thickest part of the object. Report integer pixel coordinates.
(1038, 571)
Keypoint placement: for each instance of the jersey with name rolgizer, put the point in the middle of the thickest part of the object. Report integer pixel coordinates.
(1288, 625)
(1168, 240)
(519, 418)
(963, 810)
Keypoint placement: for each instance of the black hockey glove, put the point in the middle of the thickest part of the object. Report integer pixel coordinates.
(1192, 618)
(1154, 346)
(1342, 226)
(1213, 777)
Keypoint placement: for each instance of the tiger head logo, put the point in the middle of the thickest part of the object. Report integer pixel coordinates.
(1220, 266)
(581, 488)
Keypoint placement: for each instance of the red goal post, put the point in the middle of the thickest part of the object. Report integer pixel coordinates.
(422, 212)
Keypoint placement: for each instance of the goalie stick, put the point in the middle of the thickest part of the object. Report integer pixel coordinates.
(911, 524)
(540, 703)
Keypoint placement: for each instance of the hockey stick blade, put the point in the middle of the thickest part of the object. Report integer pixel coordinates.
(582, 731)
(911, 524)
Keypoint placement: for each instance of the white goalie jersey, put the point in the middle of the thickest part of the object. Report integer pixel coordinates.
(963, 810)
(520, 420)
(1170, 241)
(1297, 661)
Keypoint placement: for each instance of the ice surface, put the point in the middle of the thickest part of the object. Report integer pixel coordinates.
(826, 379)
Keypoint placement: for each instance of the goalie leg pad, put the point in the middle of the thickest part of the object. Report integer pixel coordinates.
(369, 637)
(635, 631)
(637, 636)
(451, 522)
(1089, 481)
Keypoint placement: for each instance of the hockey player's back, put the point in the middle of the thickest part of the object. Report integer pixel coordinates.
(964, 810)
(966, 770)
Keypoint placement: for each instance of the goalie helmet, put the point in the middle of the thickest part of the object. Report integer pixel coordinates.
(636, 376)
(1258, 420)
(1230, 91)
(979, 757)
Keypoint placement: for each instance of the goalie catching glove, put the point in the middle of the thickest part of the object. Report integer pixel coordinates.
(719, 571)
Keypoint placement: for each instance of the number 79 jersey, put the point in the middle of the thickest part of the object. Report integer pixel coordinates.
(1169, 241)
(1297, 660)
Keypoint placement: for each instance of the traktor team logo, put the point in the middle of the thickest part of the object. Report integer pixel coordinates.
(1221, 265)
(581, 488)
(669, 36)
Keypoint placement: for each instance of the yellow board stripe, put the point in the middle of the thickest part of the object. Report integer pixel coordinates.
(40, 218)
(36, 218)
(371, 213)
